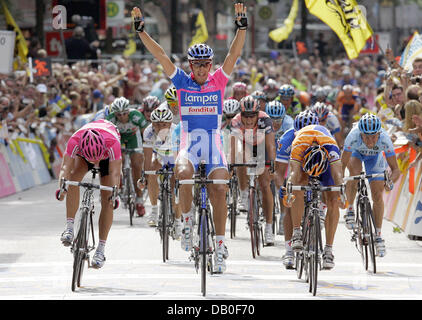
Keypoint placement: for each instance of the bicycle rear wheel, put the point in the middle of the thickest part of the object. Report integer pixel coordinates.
(203, 251)
(130, 201)
(79, 251)
(233, 209)
(314, 253)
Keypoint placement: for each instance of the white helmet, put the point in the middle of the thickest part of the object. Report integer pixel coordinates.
(231, 106)
(162, 114)
(119, 105)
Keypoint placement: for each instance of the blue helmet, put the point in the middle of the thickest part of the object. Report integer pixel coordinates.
(275, 109)
(200, 51)
(286, 91)
(305, 118)
(369, 124)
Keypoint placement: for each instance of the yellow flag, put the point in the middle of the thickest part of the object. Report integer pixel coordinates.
(201, 33)
(346, 20)
(130, 46)
(283, 32)
(20, 42)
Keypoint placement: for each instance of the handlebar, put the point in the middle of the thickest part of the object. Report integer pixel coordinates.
(289, 188)
(128, 150)
(252, 165)
(65, 183)
(386, 175)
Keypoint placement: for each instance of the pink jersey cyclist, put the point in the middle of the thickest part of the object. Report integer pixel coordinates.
(108, 131)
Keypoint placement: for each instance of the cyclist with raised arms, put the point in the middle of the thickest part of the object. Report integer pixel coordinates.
(131, 124)
(329, 120)
(367, 142)
(315, 153)
(158, 151)
(252, 128)
(96, 144)
(284, 145)
(200, 97)
(286, 95)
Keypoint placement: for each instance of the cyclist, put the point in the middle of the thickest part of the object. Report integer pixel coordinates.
(149, 103)
(262, 100)
(286, 95)
(284, 144)
(329, 120)
(96, 144)
(158, 151)
(131, 124)
(270, 90)
(231, 107)
(366, 143)
(173, 104)
(239, 90)
(281, 121)
(315, 153)
(200, 97)
(259, 124)
(347, 104)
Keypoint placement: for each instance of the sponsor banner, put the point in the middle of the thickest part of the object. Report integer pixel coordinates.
(7, 186)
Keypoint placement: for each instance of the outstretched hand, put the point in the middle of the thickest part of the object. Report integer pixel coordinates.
(138, 19)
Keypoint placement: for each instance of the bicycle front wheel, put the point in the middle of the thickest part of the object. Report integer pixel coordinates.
(164, 223)
(251, 220)
(314, 253)
(233, 209)
(79, 251)
(370, 234)
(203, 251)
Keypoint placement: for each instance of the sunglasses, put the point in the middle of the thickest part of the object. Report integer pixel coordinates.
(120, 114)
(198, 64)
(249, 115)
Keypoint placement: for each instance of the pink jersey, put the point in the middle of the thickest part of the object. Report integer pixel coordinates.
(109, 132)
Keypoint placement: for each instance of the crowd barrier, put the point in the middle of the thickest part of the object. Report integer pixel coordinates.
(403, 205)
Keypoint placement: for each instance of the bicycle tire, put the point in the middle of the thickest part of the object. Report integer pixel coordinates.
(164, 229)
(299, 256)
(203, 251)
(79, 251)
(130, 203)
(233, 209)
(251, 223)
(371, 241)
(362, 244)
(315, 239)
(275, 206)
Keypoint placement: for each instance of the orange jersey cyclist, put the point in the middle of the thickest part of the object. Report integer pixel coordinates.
(315, 153)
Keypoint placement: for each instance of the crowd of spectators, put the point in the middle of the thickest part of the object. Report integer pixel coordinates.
(73, 93)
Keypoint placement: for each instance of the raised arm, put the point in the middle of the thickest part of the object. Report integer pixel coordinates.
(239, 39)
(153, 47)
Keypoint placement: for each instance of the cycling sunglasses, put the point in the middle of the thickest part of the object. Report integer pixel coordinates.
(120, 114)
(249, 114)
(198, 64)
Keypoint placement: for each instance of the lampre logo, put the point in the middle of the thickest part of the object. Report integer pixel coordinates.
(202, 99)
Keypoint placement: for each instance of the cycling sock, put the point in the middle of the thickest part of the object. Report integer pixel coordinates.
(268, 226)
(328, 248)
(187, 217)
(139, 200)
(101, 246)
(288, 245)
(378, 232)
(70, 223)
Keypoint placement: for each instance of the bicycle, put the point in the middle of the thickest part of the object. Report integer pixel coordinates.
(309, 259)
(204, 239)
(233, 196)
(276, 208)
(363, 234)
(166, 216)
(127, 192)
(81, 246)
(255, 218)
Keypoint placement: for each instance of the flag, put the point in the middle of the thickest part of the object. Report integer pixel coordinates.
(283, 32)
(412, 50)
(346, 20)
(201, 33)
(130, 46)
(20, 42)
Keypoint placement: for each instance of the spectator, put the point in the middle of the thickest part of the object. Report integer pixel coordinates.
(77, 47)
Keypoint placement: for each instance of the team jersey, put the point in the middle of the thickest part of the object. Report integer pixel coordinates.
(200, 106)
(332, 123)
(162, 148)
(264, 125)
(284, 146)
(110, 134)
(102, 114)
(308, 135)
(294, 109)
(286, 125)
(354, 143)
(346, 104)
(136, 122)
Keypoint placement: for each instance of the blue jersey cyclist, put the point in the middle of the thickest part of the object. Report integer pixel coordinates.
(368, 142)
(200, 97)
(282, 122)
